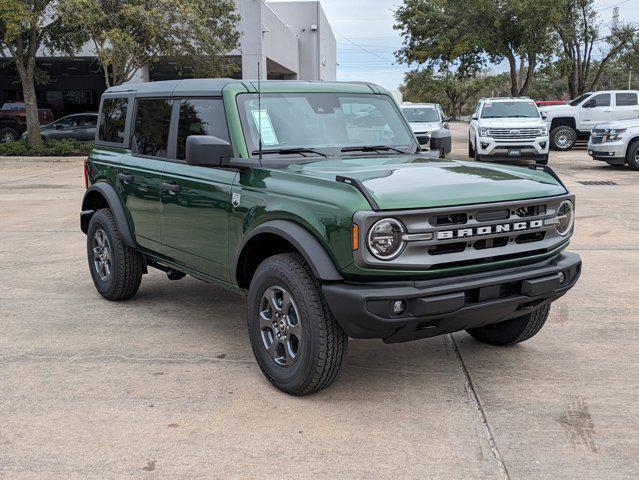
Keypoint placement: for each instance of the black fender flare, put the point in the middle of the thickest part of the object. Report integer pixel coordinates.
(305, 242)
(114, 201)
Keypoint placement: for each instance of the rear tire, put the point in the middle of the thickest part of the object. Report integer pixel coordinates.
(296, 341)
(632, 155)
(8, 134)
(116, 269)
(512, 331)
(563, 138)
(471, 150)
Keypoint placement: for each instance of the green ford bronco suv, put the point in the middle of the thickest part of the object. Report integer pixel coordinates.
(317, 201)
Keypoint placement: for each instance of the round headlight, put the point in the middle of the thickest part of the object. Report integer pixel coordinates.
(385, 238)
(566, 216)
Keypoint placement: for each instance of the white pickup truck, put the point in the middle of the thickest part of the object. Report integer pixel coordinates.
(575, 120)
(616, 143)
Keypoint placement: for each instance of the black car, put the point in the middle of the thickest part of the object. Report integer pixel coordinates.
(80, 126)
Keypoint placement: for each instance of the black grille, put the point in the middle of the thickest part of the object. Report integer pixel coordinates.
(456, 247)
(531, 211)
(453, 219)
(423, 139)
(492, 215)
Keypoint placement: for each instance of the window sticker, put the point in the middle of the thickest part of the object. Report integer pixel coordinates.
(263, 123)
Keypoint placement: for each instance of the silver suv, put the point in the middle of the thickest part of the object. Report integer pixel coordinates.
(508, 128)
(424, 119)
(616, 143)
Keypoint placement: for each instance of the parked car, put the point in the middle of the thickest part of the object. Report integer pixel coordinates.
(13, 120)
(80, 126)
(616, 143)
(333, 230)
(424, 118)
(574, 121)
(508, 128)
(545, 103)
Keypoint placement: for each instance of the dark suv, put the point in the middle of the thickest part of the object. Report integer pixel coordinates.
(316, 200)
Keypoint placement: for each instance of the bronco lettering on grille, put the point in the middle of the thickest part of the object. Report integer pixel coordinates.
(488, 230)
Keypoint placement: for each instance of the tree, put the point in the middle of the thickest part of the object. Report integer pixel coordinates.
(457, 94)
(131, 34)
(468, 33)
(26, 26)
(578, 29)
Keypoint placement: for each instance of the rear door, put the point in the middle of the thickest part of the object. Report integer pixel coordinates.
(626, 106)
(87, 132)
(140, 174)
(598, 109)
(196, 201)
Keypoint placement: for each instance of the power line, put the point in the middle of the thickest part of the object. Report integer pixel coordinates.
(613, 6)
(370, 52)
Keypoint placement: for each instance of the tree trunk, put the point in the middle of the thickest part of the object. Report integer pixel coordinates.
(30, 100)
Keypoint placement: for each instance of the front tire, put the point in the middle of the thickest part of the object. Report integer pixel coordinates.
(632, 155)
(563, 138)
(512, 331)
(116, 269)
(8, 134)
(471, 150)
(543, 160)
(296, 341)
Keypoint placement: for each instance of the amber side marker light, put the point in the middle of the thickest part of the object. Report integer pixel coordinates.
(355, 237)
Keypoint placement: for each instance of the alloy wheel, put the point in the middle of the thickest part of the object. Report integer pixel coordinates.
(280, 326)
(563, 139)
(102, 255)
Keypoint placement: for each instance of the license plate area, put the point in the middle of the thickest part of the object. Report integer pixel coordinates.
(514, 152)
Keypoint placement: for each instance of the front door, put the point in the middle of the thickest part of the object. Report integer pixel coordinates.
(141, 171)
(596, 110)
(196, 201)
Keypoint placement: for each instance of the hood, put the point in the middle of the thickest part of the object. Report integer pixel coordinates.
(421, 127)
(511, 122)
(554, 109)
(619, 124)
(408, 182)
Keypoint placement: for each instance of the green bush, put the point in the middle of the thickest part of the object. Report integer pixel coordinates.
(50, 148)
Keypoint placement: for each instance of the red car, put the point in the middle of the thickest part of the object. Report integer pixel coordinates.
(13, 120)
(545, 103)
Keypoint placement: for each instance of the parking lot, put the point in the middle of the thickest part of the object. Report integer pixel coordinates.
(165, 385)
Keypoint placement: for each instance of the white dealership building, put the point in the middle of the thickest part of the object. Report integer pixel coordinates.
(289, 39)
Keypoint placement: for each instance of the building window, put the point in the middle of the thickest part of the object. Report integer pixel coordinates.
(200, 117)
(113, 120)
(152, 123)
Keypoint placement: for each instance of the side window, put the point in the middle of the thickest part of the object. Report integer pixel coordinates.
(601, 100)
(113, 120)
(68, 123)
(200, 117)
(152, 122)
(626, 99)
(90, 121)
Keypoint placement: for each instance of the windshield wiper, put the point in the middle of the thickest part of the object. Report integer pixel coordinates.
(372, 148)
(289, 151)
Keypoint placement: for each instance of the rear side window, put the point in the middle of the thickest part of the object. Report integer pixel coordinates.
(152, 123)
(90, 121)
(200, 117)
(113, 120)
(626, 99)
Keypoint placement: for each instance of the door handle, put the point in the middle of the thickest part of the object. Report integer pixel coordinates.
(171, 187)
(125, 177)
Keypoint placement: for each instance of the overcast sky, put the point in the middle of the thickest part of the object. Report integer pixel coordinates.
(366, 39)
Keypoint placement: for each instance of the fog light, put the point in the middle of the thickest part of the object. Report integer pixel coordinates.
(562, 278)
(399, 307)
(484, 145)
(542, 145)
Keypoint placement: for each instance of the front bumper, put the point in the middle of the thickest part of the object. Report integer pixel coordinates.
(436, 307)
(501, 148)
(613, 153)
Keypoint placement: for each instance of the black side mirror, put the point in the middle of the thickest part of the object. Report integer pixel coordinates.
(544, 116)
(207, 151)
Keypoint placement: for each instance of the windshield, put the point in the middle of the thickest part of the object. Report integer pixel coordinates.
(580, 99)
(324, 122)
(421, 115)
(13, 106)
(510, 110)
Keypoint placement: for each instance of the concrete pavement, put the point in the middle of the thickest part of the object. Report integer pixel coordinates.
(165, 385)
